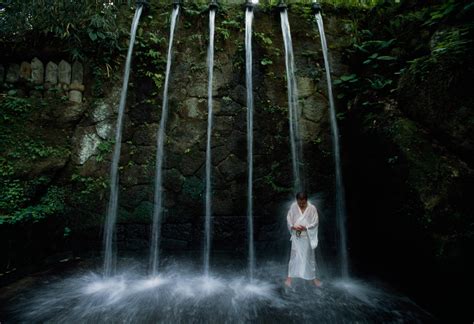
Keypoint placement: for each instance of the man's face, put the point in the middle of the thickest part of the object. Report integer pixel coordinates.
(302, 203)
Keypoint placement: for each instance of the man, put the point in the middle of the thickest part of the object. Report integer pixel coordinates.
(303, 222)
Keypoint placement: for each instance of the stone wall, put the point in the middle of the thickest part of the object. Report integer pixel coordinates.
(90, 128)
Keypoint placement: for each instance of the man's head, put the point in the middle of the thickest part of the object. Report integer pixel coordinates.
(302, 199)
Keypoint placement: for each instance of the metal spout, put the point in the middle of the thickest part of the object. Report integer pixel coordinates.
(177, 3)
(213, 5)
(143, 3)
(316, 7)
(281, 5)
(249, 4)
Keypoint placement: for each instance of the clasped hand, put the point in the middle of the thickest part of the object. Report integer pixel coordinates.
(299, 228)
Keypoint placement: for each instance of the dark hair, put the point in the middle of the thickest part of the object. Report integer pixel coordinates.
(302, 195)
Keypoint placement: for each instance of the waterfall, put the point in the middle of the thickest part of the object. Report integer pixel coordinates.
(158, 196)
(248, 80)
(207, 221)
(340, 196)
(293, 110)
(111, 218)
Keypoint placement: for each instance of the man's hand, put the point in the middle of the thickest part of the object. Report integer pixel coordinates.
(299, 228)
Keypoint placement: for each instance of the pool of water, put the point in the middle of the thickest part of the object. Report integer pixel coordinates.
(181, 294)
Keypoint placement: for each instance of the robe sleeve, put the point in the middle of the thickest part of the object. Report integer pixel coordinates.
(314, 218)
(312, 228)
(289, 220)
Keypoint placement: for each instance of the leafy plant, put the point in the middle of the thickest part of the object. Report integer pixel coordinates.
(346, 84)
(104, 149)
(12, 195)
(89, 184)
(52, 203)
(266, 61)
(12, 107)
(442, 11)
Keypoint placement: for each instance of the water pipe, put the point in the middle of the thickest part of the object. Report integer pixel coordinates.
(250, 4)
(281, 6)
(177, 3)
(316, 7)
(213, 5)
(143, 3)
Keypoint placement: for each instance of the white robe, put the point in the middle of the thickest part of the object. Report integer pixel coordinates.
(302, 261)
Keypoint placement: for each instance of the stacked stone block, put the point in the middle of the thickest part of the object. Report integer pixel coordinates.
(62, 77)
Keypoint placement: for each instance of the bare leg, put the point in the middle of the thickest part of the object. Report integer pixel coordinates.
(288, 282)
(317, 283)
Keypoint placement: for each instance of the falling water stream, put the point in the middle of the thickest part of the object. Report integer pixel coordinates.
(111, 218)
(293, 110)
(340, 197)
(248, 80)
(158, 196)
(207, 221)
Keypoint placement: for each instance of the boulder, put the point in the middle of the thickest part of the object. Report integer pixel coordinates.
(104, 129)
(102, 111)
(191, 162)
(306, 87)
(226, 107)
(88, 145)
(239, 95)
(72, 113)
(232, 168)
(195, 108)
(173, 180)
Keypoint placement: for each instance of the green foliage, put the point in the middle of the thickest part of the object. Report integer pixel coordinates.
(6, 168)
(454, 42)
(37, 150)
(263, 39)
(104, 149)
(20, 144)
(33, 149)
(12, 195)
(451, 45)
(196, 8)
(270, 107)
(231, 23)
(12, 107)
(223, 33)
(378, 63)
(82, 26)
(84, 186)
(266, 61)
(347, 85)
(446, 10)
(379, 82)
(150, 59)
(52, 203)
